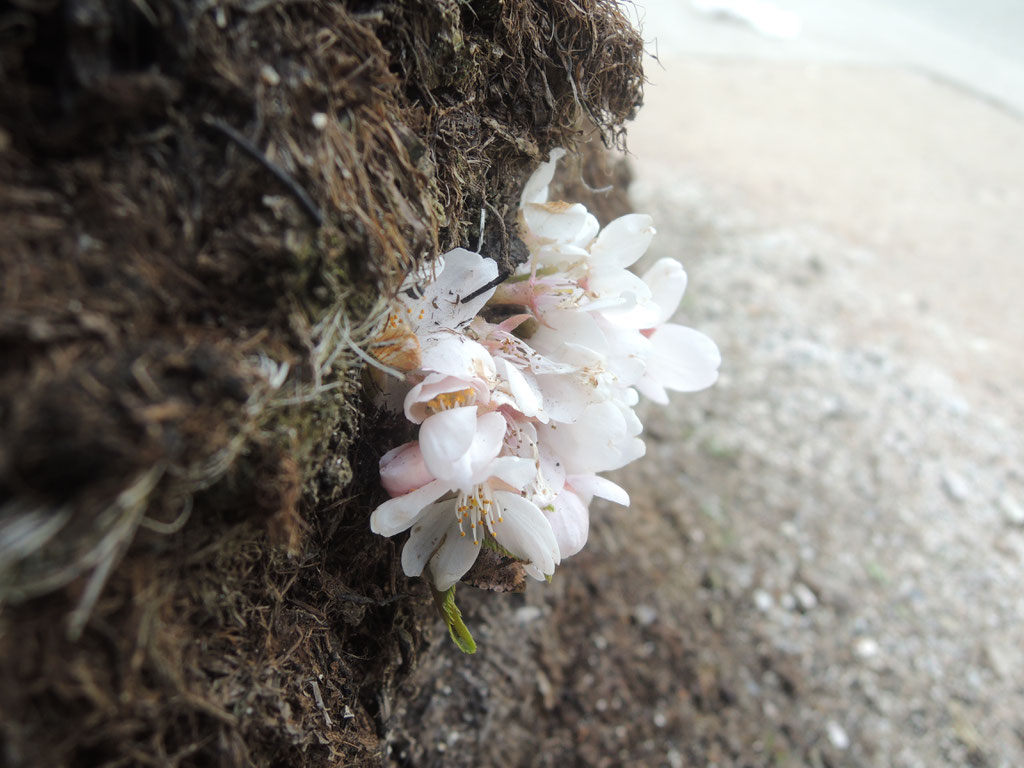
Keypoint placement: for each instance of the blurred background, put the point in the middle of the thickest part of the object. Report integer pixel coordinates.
(845, 182)
(824, 558)
(894, 124)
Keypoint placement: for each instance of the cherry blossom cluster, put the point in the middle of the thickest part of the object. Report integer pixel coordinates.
(525, 392)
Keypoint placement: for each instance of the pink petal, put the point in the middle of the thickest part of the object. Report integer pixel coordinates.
(402, 469)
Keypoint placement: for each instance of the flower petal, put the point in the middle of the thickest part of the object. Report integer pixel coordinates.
(490, 434)
(435, 384)
(536, 188)
(558, 222)
(667, 281)
(568, 328)
(461, 273)
(526, 532)
(683, 359)
(456, 355)
(515, 471)
(619, 283)
(666, 284)
(589, 486)
(427, 534)
(570, 522)
(566, 396)
(445, 438)
(602, 439)
(402, 469)
(627, 353)
(652, 389)
(397, 514)
(456, 556)
(527, 401)
(623, 241)
(552, 471)
(566, 258)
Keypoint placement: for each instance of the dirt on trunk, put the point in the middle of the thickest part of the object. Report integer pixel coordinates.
(204, 209)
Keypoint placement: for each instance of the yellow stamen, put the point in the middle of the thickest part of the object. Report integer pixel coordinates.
(448, 400)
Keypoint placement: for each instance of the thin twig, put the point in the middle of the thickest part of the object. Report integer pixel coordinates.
(304, 200)
(502, 276)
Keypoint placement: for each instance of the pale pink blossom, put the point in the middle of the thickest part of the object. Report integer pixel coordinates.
(448, 533)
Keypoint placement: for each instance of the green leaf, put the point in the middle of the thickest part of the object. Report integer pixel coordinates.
(452, 616)
(490, 543)
(542, 272)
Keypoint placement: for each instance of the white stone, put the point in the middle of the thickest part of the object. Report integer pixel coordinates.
(1012, 511)
(527, 614)
(645, 615)
(955, 486)
(837, 735)
(805, 597)
(865, 648)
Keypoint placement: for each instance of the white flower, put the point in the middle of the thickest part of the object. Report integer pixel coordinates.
(513, 430)
(457, 371)
(604, 438)
(458, 451)
(677, 357)
(438, 304)
(665, 284)
(681, 359)
(569, 512)
(447, 534)
(565, 499)
(562, 387)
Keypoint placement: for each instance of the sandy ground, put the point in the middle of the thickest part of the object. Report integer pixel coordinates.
(927, 179)
(823, 561)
